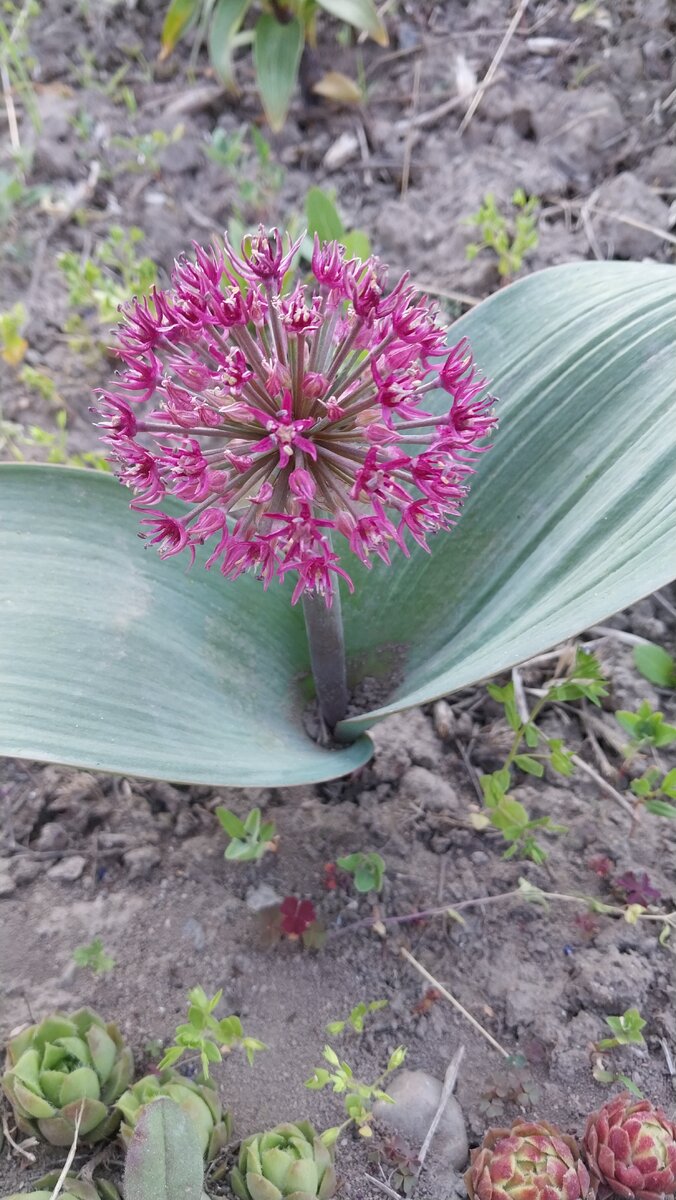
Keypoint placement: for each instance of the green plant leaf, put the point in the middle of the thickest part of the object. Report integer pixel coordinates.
(225, 23)
(277, 49)
(360, 13)
(115, 660)
(571, 514)
(108, 658)
(231, 823)
(322, 216)
(180, 14)
(655, 664)
(164, 1156)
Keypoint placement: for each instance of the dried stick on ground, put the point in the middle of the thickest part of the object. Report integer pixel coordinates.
(490, 73)
(450, 1080)
(452, 1000)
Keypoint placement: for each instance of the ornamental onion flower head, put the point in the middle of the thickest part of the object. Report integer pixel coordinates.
(289, 417)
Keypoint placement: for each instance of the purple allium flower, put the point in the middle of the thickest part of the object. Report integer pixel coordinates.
(282, 416)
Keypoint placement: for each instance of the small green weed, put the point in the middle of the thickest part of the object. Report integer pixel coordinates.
(530, 752)
(109, 277)
(656, 664)
(367, 870)
(356, 1018)
(94, 957)
(208, 1037)
(359, 1096)
(508, 237)
(249, 839)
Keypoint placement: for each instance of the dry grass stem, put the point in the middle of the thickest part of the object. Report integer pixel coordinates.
(452, 1000)
(450, 1080)
(497, 59)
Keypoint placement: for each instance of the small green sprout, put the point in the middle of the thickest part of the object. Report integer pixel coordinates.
(647, 729)
(94, 957)
(503, 811)
(249, 839)
(626, 1030)
(207, 1036)
(359, 1096)
(656, 664)
(356, 1018)
(367, 870)
(13, 344)
(650, 788)
(510, 238)
(113, 274)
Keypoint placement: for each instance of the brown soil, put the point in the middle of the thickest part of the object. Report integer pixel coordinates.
(578, 112)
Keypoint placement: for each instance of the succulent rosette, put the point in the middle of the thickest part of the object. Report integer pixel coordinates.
(290, 1162)
(527, 1162)
(630, 1147)
(68, 1067)
(74, 1188)
(199, 1102)
(290, 421)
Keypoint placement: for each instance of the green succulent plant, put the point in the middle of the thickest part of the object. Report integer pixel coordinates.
(199, 1102)
(68, 1067)
(289, 1161)
(73, 1189)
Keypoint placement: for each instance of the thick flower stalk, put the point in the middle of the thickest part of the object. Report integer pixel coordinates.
(65, 1069)
(289, 1162)
(290, 419)
(631, 1149)
(199, 1102)
(527, 1162)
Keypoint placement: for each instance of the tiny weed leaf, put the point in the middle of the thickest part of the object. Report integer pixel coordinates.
(655, 664)
(531, 766)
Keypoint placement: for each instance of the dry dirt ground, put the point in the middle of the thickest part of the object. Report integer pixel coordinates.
(581, 115)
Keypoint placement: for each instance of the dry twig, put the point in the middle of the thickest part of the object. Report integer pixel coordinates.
(497, 59)
(450, 1080)
(452, 1000)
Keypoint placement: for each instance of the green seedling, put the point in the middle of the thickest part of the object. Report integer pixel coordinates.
(647, 729)
(249, 839)
(650, 790)
(13, 344)
(144, 149)
(626, 1030)
(656, 664)
(208, 1037)
(530, 752)
(356, 1018)
(359, 1096)
(367, 870)
(508, 237)
(109, 277)
(94, 957)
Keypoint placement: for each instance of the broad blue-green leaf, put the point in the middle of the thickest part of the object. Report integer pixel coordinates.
(225, 22)
(113, 659)
(572, 514)
(277, 50)
(360, 13)
(164, 1155)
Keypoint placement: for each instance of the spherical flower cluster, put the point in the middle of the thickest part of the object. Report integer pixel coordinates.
(284, 415)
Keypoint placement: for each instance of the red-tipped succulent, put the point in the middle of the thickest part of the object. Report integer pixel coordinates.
(630, 1147)
(530, 1161)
